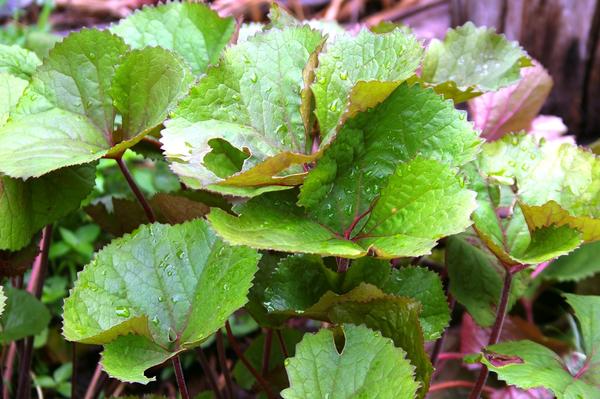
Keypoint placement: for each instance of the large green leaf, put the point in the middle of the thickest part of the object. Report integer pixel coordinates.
(191, 282)
(273, 221)
(243, 112)
(368, 366)
(513, 108)
(581, 263)
(392, 56)
(424, 201)
(294, 284)
(27, 206)
(192, 30)
(471, 61)
(23, 315)
(476, 280)
(416, 283)
(66, 116)
(529, 365)
(18, 61)
(411, 121)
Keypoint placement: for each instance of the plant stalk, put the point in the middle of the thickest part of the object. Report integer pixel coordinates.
(495, 334)
(35, 287)
(267, 352)
(180, 378)
(223, 364)
(238, 351)
(136, 191)
(208, 372)
(96, 383)
(282, 344)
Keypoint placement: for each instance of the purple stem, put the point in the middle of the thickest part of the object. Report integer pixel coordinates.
(208, 372)
(35, 287)
(223, 364)
(267, 352)
(96, 383)
(180, 379)
(136, 191)
(496, 330)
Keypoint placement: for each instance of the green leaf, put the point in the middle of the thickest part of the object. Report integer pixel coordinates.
(12, 88)
(416, 283)
(423, 202)
(582, 263)
(586, 311)
(527, 364)
(392, 56)
(471, 61)
(18, 61)
(557, 189)
(192, 283)
(530, 365)
(272, 221)
(250, 104)
(412, 121)
(24, 315)
(147, 84)
(476, 280)
(369, 365)
(68, 109)
(192, 30)
(513, 108)
(27, 206)
(396, 318)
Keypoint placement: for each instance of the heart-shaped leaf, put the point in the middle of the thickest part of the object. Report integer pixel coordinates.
(369, 365)
(181, 283)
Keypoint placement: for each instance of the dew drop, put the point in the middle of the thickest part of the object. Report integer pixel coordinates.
(286, 362)
(253, 77)
(344, 75)
(333, 106)
(155, 320)
(161, 299)
(122, 311)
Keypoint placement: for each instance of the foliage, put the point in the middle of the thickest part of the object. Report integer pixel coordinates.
(298, 179)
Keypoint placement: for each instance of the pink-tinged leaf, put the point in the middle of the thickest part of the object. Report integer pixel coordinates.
(513, 108)
(516, 393)
(550, 128)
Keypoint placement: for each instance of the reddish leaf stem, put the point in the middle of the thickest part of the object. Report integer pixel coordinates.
(208, 372)
(495, 334)
(35, 287)
(456, 384)
(96, 383)
(238, 351)
(223, 364)
(267, 352)
(180, 378)
(282, 344)
(136, 191)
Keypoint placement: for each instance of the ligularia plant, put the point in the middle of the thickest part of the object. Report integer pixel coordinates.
(344, 172)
